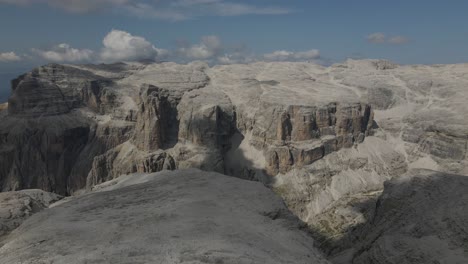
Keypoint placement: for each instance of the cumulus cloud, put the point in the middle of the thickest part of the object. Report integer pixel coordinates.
(209, 47)
(117, 46)
(381, 38)
(65, 53)
(284, 55)
(9, 57)
(123, 46)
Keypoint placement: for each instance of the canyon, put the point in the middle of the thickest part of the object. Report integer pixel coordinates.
(359, 162)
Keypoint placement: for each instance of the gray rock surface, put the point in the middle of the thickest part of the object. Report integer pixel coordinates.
(420, 218)
(16, 207)
(188, 216)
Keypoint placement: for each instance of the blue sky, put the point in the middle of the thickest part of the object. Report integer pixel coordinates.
(35, 32)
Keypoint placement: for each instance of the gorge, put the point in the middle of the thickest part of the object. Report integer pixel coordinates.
(360, 162)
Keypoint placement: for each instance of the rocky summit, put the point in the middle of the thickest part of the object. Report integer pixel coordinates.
(369, 158)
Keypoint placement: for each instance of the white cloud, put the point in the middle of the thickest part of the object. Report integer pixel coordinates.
(398, 40)
(65, 53)
(381, 38)
(9, 57)
(377, 37)
(235, 58)
(122, 46)
(118, 46)
(284, 55)
(163, 54)
(209, 47)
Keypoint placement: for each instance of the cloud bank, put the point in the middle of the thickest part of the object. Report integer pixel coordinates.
(65, 53)
(209, 47)
(284, 55)
(381, 38)
(118, 45)
(9, 57)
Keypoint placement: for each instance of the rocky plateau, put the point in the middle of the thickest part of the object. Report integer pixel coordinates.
(368, 157)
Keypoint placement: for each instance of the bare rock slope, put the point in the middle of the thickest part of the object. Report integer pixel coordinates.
(417, 219)
(15, 207)
(187, 216)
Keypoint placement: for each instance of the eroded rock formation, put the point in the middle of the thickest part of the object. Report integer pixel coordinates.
(326, 139)
(88, 124)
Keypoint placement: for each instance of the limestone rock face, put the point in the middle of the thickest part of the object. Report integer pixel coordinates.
(156, 118)
(35, 97)
(291, 115)
(324, 138)
(305, 135)
(55, 126)
(126, 159)
(419, 123)
(187, 216)
(16, 207)
(186, 115)
(420, 108)
(420, 218)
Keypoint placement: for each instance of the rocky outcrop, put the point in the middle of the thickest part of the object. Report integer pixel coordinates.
(16, 207)
(51, 132)
(306, 134)
(156, 124)
(420, 218)
(187, 216)
(328, 194)
(127, 159)
(35, 97)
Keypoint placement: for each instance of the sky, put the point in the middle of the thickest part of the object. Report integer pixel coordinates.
(36, 32)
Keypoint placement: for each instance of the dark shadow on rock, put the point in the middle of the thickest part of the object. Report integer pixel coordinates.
(238, 165)
(430, 205)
